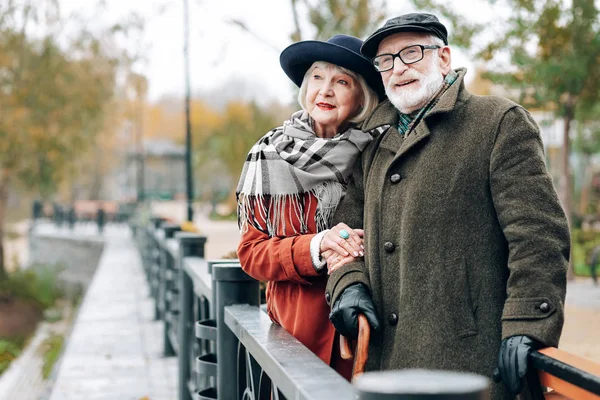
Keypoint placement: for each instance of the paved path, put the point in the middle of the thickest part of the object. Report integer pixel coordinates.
(115, 349)
(583, 293)
(582, 320)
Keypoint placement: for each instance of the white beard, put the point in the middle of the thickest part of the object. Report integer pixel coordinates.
(408, 100)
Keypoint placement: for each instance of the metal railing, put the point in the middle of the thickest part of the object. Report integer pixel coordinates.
(228, 348)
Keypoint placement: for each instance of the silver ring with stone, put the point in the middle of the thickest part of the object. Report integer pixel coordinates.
(344, 234)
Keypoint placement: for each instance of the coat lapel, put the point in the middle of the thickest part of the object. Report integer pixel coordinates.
(446, 103)
(420, 133)
(392, 140)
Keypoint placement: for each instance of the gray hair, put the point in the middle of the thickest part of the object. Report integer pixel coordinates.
(370, 99)
(436, 40)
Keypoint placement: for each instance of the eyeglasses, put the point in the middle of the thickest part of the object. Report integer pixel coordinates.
(408, 55)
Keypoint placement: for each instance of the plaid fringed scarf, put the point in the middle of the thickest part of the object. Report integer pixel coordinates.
(289, 162)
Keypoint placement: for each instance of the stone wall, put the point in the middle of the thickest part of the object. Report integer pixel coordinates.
(77, 256)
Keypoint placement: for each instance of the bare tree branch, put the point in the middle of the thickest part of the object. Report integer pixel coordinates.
(297, 34)
(240, 24)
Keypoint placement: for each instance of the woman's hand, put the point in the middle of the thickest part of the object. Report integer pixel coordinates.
(334, 241)
(335, 261)
(332, 258)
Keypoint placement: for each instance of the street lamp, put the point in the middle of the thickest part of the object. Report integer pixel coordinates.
(140, 152)
(188, 127)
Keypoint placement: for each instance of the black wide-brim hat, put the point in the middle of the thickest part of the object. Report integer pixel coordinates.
(414, 22)
(342, 50)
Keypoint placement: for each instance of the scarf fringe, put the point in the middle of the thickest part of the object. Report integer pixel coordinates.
(268, 213)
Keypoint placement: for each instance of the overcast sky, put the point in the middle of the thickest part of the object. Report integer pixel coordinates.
(220, 53)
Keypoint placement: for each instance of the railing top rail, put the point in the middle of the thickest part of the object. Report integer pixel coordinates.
(172, 247)
(306, 378)
(159, 235)
(230, 271)
(574, 376)
(197, 270)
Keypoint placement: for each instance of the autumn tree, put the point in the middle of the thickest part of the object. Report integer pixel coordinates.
(55, 90)
(352, 17)
(587, 144)
(241, 125)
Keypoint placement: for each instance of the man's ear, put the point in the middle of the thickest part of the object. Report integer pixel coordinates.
(445, 60)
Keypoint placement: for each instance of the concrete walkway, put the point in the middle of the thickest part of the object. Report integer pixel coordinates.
(115, 349)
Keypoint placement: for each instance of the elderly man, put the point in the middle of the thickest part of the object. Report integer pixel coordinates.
(466, 244)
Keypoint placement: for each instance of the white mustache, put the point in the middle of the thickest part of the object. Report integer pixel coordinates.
(404, 78)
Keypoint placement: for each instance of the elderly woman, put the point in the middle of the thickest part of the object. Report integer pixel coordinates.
(293, 179)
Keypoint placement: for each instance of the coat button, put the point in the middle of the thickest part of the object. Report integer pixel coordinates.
(389, 247)
(328, 298)
(544, 307)
(395, 178)
(393, 319)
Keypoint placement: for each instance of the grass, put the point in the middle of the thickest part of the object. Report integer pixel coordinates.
(218, 217)
(582, 245)
(52, 348)
(36, 285)
(9, 350)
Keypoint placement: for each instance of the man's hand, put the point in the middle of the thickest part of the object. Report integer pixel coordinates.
(512, 361)
(354, 300)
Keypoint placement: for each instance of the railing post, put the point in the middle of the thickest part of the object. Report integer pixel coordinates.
(156, 221)
(412, 384)
(190, 244)
(233, 286)
(147, 244)
(166, 263)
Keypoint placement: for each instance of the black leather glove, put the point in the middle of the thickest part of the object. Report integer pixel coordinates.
(513, 361)
(354, 300)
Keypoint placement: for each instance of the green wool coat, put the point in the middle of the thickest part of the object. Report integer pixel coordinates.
(466, 242)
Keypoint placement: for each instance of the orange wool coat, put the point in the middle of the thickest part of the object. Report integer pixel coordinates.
(295, 291)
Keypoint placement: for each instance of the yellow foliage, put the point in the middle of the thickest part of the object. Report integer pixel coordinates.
(238, 111)
(479, 85)
(189, 226)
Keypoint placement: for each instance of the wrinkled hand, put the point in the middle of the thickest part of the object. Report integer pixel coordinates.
(344, 247)
(331, 257)
(354, 300)
(335, 261)
(512, 361)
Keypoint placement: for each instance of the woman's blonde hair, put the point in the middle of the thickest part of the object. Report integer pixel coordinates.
(370, 99)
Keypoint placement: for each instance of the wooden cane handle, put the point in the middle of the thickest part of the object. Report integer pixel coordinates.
(345, 350)
(362, 348)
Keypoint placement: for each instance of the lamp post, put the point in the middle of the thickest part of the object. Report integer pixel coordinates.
(140, 153)
(188, 127)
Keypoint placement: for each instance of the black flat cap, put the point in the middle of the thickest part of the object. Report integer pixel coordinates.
(414, 22)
